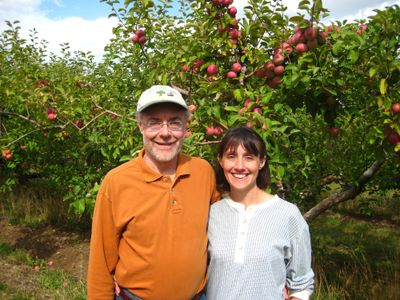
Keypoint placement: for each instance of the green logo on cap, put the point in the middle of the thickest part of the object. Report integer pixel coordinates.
(160, 92)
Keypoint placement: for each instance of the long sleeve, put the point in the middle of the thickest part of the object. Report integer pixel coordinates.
(103, 255)
(300, 277)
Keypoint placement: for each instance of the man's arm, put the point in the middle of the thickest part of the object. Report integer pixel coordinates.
(103, 255)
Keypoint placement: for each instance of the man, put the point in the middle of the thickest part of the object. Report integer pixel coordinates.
(150, 219)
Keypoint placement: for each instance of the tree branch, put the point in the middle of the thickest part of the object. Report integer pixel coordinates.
(345, 194)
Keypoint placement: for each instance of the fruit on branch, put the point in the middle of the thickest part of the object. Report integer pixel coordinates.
(212, 69)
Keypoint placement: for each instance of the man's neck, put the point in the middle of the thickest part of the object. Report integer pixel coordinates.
(167, 168)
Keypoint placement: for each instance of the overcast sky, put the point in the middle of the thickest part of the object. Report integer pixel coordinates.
(85, 26)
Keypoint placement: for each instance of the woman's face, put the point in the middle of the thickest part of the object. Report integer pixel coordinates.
(240, 168)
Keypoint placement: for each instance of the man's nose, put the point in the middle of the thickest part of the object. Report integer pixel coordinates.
(164, 129)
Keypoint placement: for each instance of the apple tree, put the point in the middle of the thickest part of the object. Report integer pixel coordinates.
(324, 97)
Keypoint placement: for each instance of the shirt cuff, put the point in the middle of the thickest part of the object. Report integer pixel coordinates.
(303, 295)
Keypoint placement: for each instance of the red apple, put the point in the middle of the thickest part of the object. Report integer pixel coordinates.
(334, 131)
(323, 35)
(301, 47)
(212, 69)
(142, 40)
(7, 154)
(185, 68)
(236, 67)
(210, 130)
(278, 70)
(269, 66)
(269, 74)
(231, 75)
(257, 110)
(234, 33)
(247, 102)
(310, 33)
(260, 73)
(387, 129)
(226, 3)
(277, 80)
(278, 51)
(278, 59)
(51, 116)
(232, 11)
(140, 33)
(218, 130)
(135, 38)
(312, 44)
(197, 64)
(396, 108)
(78, 123)
(298, 37)
(393, 138)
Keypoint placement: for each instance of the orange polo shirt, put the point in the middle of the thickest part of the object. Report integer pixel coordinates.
(151, 232)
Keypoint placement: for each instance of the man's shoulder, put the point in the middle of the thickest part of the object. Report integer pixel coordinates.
(197, 161)
(127, 167)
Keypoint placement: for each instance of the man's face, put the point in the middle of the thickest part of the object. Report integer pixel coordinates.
(163, 128)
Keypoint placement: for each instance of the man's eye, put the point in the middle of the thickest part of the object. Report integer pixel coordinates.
(175, 123)
(153, 123)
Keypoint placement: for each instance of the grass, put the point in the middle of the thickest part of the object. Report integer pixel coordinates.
(34, 204)
(354, 259)
(39, 281)
(356, 248)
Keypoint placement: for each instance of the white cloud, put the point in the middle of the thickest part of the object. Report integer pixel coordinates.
(83, 35)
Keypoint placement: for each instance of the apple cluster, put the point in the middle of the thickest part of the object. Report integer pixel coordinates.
(391, 135)
(362, 28)
(7, 154)
(250, 105)
(51, 114)
(139, 37)
(211, 130)
(232, 28)
(303, 40)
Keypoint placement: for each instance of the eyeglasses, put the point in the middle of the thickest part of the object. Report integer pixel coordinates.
(173, 125)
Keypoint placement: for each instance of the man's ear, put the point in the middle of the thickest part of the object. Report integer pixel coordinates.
(140, 125)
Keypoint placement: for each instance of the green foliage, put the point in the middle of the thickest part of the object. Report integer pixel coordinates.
(70, 120)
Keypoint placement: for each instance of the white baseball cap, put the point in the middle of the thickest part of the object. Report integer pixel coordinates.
(160, 94)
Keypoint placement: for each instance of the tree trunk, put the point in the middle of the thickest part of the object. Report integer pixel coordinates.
(345, 194)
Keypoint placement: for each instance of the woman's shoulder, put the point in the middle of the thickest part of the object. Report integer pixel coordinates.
(289, 207)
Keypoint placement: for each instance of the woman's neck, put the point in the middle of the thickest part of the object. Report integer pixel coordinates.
(250, 197)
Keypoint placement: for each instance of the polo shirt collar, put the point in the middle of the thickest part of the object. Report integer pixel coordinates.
(149, 175)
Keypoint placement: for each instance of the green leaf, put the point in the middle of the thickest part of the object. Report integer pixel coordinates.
(352, 56)
(238, 94)
(372, 72)
(296, 19)
(383, 85)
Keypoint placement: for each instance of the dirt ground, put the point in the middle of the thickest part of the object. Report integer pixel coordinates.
(65, 250)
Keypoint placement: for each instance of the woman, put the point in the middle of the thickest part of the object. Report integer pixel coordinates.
(258, 243)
